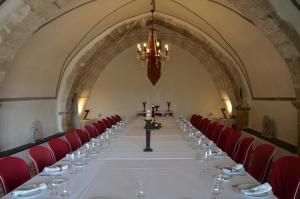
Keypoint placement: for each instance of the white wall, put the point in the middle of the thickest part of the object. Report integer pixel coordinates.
(16, 120)
(123, 85)
(283, 113)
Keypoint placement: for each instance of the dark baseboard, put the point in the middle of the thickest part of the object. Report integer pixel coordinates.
(287, 146)
(29, 145)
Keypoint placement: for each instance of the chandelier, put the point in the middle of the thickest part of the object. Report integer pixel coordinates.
(153, 53)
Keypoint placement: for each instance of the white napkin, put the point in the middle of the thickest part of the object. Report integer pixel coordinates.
(29, 189)
(233, 169)
(55, 168)
(257, 190)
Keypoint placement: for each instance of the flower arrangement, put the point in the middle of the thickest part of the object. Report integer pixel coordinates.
(155, 125)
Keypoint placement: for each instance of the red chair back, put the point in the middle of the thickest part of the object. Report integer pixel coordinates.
(285, 179)
(13, 172)
(261, 162)
(243, 152)
(92, 130)
(83, 135)
(110, 121)
(192, 120)
(107, 123)
(41, 157)
(116, 118)
(204, 124)
(102, 125)
(216, 133)
(210, 129)
(232, 142)
(158, 114)
(73, 141)
(59, 147)
(198, 122)
(223, 136)
(119, 118)
(113, 120)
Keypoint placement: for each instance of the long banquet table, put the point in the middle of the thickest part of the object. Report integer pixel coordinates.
(171, 171)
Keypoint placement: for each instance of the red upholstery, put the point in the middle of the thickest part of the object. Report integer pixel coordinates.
(192, 120)
(13, 172)
(243, 152)
(107, 123)
(113, 120)
(210, 129)
(216, 133)
(59, 147)
(168, 114)
(116, 118)
(110, 120)
(261, 162)
(204, 125)
(92, 130)
(73, 141)
(158, 114)
(197, 121)
(231, 143)
(223, 136)
(285, 179)
(102, 126)
(83, 135)
(41, 157)
(119, 118)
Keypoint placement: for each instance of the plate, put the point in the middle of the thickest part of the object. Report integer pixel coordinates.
(29, 190)
(268, 195)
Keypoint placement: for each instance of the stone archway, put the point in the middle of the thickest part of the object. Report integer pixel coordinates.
(224, 70)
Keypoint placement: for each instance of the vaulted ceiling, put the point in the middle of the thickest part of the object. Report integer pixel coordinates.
(72, 41)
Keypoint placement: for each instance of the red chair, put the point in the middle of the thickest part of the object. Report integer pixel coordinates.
(73, 141)
(92, 130)
(210, 129)
(110, 121)
(232, 143)
(285, 179)
(41, 157)
(193, 119)
(158, 114)
(13, 172)
(197, 121)
(83, 135)
(59, 147)
(113, 120)
(243, 152)
(102, 126)
(168, 114)
(261, 162)
(107, 123)
(223, 136)
(119, 118)
(216, 133)
(204, 125)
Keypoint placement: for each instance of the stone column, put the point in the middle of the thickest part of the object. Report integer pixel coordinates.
(297, 106)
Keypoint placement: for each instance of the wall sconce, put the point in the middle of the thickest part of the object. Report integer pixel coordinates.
(81, 103)
(228, 106)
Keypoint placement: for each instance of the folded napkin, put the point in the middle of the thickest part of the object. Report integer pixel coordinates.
(30, 189)
(257, 189)
(234, 169)
(56, 168)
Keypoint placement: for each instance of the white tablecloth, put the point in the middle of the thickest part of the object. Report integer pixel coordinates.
(169, 172)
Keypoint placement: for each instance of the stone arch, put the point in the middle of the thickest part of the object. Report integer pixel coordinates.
(224, 70)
